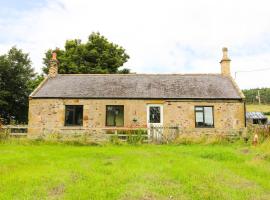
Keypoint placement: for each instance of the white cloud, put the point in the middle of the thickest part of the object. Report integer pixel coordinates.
(159, 35)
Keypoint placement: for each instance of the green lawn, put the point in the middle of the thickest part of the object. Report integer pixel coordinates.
(133, 172)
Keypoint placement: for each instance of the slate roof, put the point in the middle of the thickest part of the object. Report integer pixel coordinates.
(255, 115)
(139, 86)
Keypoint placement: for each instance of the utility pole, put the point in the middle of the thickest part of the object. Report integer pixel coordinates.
(259, 97)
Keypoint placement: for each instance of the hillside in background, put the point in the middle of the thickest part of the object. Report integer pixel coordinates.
(251, 95)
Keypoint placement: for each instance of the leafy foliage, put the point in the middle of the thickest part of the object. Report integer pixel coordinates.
(16, 75)
(262, 131)
(136, 136)
(97, 55)
(33, 83)
(252, 93)
(4, 134)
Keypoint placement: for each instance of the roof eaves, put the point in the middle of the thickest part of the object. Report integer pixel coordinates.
(38, 87)
(237, 88)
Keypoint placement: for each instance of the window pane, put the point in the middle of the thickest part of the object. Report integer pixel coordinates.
(78, 115)
(198, 108)
(115, 116)
(199, 116)
(110, 116)
(69, 115)
(119, 116)
(154, 114)
(74, 115)
(199, 119)
(208, 116)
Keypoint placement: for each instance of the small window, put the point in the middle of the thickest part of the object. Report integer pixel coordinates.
(154, 114)
(115, 115)
(204, 116)
(74, 115)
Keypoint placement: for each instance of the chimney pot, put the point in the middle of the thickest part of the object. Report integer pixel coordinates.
(54, 55)
(53, 70)
(224, 49)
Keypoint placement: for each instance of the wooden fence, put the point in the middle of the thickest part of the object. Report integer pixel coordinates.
(155, 134)
(16, 130)
(150, 134)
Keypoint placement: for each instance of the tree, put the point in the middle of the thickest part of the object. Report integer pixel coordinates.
(251, 95)
(34, 82)
(97, 55)
(16, 74)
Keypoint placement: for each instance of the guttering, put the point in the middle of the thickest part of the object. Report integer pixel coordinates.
(139, 98)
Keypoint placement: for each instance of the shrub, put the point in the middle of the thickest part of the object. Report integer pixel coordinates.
(114, 139)
(77, 139)
(136, 136)
(263, 132)
(130, 136)
(4, 134)
(266, 113)
(53, 136)
(187, 139)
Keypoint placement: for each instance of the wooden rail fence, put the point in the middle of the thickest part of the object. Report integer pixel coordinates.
(16, 130)
(150, 134)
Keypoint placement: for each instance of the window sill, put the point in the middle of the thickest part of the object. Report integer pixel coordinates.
(210, 127)
(73, 128)
(114, 126)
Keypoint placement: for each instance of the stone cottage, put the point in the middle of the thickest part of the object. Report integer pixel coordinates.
(196, 103)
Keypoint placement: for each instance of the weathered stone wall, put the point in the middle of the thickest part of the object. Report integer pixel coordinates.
(48, 115)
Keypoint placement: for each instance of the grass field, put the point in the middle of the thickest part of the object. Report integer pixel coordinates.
(134, 172)
(258, 108)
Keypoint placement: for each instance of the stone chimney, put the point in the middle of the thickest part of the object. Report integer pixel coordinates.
(225, 63)
(53, 70)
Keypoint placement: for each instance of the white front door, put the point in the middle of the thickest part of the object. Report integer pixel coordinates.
(155, 120)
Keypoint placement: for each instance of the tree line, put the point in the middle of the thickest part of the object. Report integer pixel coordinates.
(252, 95)
(97, 55)
(18, 77)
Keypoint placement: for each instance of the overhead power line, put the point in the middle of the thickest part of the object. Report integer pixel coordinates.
(253, 70)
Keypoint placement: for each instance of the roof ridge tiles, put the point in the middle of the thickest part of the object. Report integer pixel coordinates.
(145, 74)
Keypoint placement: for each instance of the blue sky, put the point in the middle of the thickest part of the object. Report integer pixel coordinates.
(161, 36)
(21, 4)
(13, 9)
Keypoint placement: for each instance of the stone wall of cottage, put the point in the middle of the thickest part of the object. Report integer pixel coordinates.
(48, 115)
